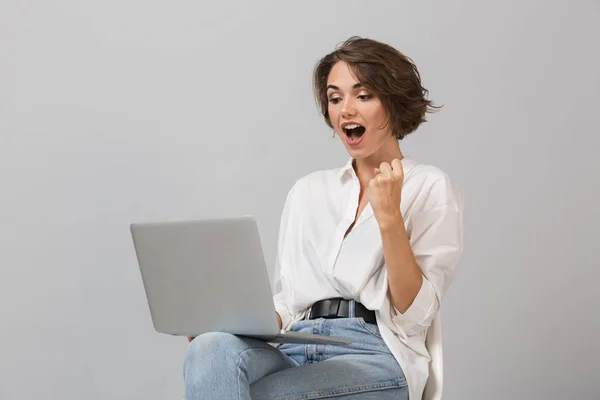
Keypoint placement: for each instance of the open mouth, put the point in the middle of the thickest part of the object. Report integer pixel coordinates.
(354, 131)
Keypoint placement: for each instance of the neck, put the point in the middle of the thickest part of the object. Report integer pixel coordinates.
(365, 167)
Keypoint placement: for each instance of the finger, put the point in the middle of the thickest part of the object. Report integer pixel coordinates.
(397, 168)
(372, 184)
(377, 171)
(386, 169)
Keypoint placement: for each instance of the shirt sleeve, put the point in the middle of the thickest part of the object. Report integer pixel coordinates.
(282, 261)
(436, 241)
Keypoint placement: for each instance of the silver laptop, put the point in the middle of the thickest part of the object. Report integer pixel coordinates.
(210, 276)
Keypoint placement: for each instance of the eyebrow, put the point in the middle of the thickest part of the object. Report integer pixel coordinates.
(356, 86)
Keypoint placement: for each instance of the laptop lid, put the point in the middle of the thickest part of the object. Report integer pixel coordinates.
(205, 276)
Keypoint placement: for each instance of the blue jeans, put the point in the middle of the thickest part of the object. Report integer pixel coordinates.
(222, 366)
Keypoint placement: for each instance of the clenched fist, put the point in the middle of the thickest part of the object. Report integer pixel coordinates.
(385, 191)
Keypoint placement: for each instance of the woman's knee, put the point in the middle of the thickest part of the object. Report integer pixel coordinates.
(213, 349)
(212, 344)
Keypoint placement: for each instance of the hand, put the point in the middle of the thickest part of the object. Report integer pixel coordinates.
(385, 191)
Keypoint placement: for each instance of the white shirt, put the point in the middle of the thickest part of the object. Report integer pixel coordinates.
(315, 261)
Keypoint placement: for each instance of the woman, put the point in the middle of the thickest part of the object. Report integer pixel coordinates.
(365, 252)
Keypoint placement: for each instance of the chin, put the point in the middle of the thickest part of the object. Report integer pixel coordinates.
(357, 154)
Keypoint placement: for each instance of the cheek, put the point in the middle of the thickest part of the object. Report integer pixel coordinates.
(379, 116)
(332, 113)
(333, 117)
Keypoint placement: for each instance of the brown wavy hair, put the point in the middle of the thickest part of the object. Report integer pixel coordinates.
(391, 75)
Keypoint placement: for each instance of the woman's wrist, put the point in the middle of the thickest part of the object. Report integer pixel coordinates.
(390, 221)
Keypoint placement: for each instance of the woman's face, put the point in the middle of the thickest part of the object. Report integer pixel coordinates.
(357, 115)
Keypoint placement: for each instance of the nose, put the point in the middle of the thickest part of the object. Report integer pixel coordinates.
(348, 109)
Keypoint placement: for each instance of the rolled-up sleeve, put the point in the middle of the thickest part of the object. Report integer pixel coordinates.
(420, 313)
(436, 242)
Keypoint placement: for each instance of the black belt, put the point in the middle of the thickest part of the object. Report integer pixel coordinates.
(340, 308)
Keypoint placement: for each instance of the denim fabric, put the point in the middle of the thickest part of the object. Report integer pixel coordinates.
(223, 366)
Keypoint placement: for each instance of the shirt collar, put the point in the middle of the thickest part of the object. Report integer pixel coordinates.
(408, 163)
(347, 169)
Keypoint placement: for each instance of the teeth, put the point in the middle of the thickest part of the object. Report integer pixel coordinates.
(351, 126)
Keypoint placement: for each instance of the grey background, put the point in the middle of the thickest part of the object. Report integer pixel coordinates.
(121, 111)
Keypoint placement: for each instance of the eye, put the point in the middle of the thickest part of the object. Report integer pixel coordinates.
(365, 96)
(335, 100)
